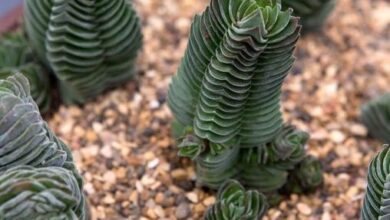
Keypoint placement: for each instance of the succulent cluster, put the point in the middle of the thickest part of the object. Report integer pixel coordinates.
(376, 203)
(376, 117)
(234, 203)
(226, 95)
(38, 179)
(89, 45)
(17, 56)
(306, 176)
(313, 13)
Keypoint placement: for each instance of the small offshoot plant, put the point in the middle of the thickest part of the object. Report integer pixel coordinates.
(376, 205)
(234, 203)
(38, 178)
(313, 13)
(89, 45)
(17, 56)
(376, 117)
(225, 96)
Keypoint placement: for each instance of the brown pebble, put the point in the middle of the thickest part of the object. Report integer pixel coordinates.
(304, 209)
(183, 211)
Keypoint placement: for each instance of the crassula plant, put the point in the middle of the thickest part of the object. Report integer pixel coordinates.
(376, 203)
(17, 56)
(376, 117)
(39, 193)
(38, 178)
(89, 45)
(234, 203)
(226, 95)
(305, 177)
(313, 13)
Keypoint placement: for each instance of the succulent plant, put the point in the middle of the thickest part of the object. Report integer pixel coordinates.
(376, 203)
(39, 193)
(234, 203)
(227, 88)
(306, 176)
(266, 168)
(313, 13)
(35, 166)
(214, 168)
(90, 45)
(25, 139)
(16, 56)
(376, 117)
(228, 85)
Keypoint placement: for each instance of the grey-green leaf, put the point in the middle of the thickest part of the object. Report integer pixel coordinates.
(39, 193)
(91, 46)
(235, 203)
(376, 201)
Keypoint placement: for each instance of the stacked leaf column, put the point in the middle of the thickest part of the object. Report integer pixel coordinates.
(38, 179)
(376, 205)
(226, 95)
(89, 45)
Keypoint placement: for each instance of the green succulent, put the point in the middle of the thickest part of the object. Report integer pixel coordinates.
(90, 45)
(31, 155)
(265, 179)
(213, 169)
(39, 193)
(16, 56)
(313, 13)
(191, 147)
(376, 117)
(228, 85)
(376, 203)
(306, 176)
(288, 148)
(234, 203)
(24, 136)
(266, 168)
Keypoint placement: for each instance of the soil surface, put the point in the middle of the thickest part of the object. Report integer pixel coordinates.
(123, 147)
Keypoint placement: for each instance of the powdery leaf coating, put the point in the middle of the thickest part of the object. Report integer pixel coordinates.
(24, 138)
(39, 193)
(28, 148)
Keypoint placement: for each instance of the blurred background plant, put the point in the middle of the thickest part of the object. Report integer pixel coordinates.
(376, 117)
(90, 47)
(313, 13)
(17, 56)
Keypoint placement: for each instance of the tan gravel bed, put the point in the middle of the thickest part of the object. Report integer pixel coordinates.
(122, 141)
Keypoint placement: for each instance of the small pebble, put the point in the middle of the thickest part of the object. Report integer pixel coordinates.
(304, 209)
(337, 136)
(183, 211)
(193, 197)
